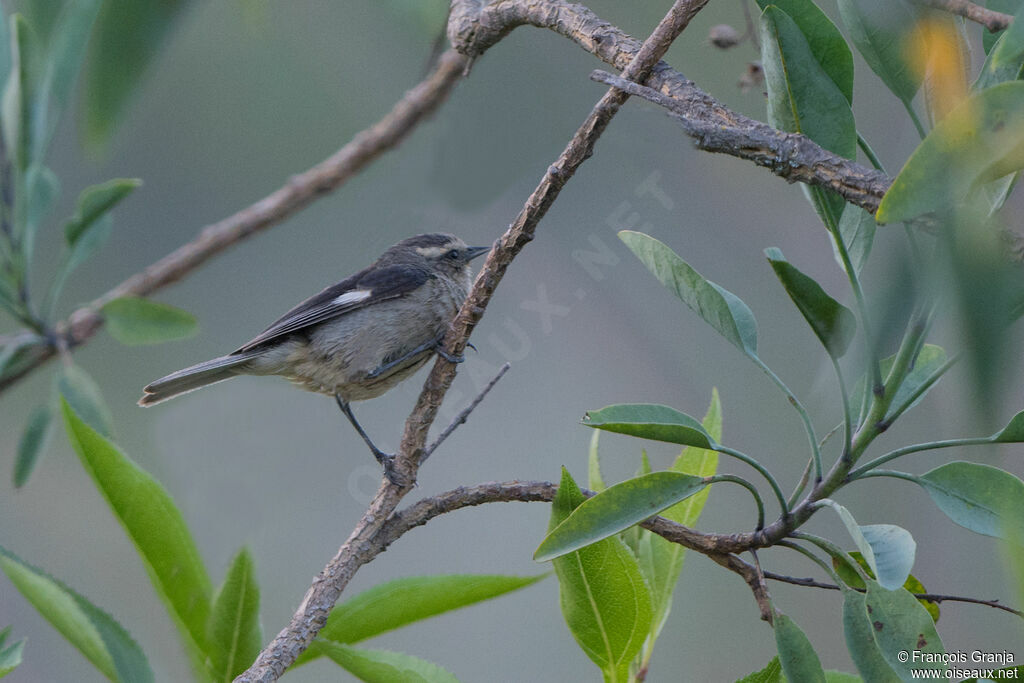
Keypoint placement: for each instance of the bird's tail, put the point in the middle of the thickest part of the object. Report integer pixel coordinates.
(190, 379)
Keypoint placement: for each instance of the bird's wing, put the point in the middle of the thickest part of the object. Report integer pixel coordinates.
(363, 289)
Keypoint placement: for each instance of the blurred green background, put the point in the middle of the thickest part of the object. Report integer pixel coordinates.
(246, 93)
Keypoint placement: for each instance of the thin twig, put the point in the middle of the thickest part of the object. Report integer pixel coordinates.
(464, 414)
(990, 19)
(751, 31)
(300, 191)
(930, 597)
(332, 580)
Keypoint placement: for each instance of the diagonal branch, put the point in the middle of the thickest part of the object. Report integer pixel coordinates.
(327, 587)
(990, 19)
(791, 156)
(473, 29)
(299, 192)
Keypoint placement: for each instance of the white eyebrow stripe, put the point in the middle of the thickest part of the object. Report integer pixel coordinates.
(355, 296)
(432, 252)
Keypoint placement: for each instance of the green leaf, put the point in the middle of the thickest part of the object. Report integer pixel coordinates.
(832, 323)
(650, 421)
(824, 39)
(880, 30)
(860, 640)
(134, 321)
(900, 625)
(382, 666)
(661, 561)
(852, 579)
(832, 676)
(10, 656)
(66, 52)
(913, 585)
(84, 396)
(1013, 432)
(1005, 60)
(770, 674)
(982, 498)
(595, 482)
(981, 140)
(857, 231)
(604, 598)
(6, 58)
(720, 308)
(33, 441)
(888, 549)
(403, 601)
(929, 359)
(803, 98)
(156, 527)
(233, 632)
(94, 202)
(89, 228)
(41, 16)
(128, 36)
(43, 190)
(19, 93)
(617, 508)
(91, 630)
(700, 462)
(799, 660)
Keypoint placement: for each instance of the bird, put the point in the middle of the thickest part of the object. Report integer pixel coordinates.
(358, 338)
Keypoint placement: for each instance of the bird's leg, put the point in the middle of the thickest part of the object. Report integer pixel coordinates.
(387, 461)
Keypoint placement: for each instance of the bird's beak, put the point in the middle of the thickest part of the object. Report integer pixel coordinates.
(473, 252)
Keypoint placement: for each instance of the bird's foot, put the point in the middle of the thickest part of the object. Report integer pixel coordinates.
(449, 357)
(394, 476)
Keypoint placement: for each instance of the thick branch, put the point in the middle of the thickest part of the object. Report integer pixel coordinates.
(296, 194)
(328, 586)
(473, 30)
(788, 155)
(990, 19)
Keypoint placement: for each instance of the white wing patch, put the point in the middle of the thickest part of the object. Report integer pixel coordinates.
(355, 296)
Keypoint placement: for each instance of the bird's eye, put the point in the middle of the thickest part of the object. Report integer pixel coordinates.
(452, 254)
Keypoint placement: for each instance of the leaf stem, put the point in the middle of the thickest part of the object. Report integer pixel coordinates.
(868, 152)
(802, 484)
(847, 415)
(909, 106)
(858, 296)
(760, 468)
(814, 558)
(748, 486)
(892, 474)
(917, 448)
(833, 550)
(795, 402)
